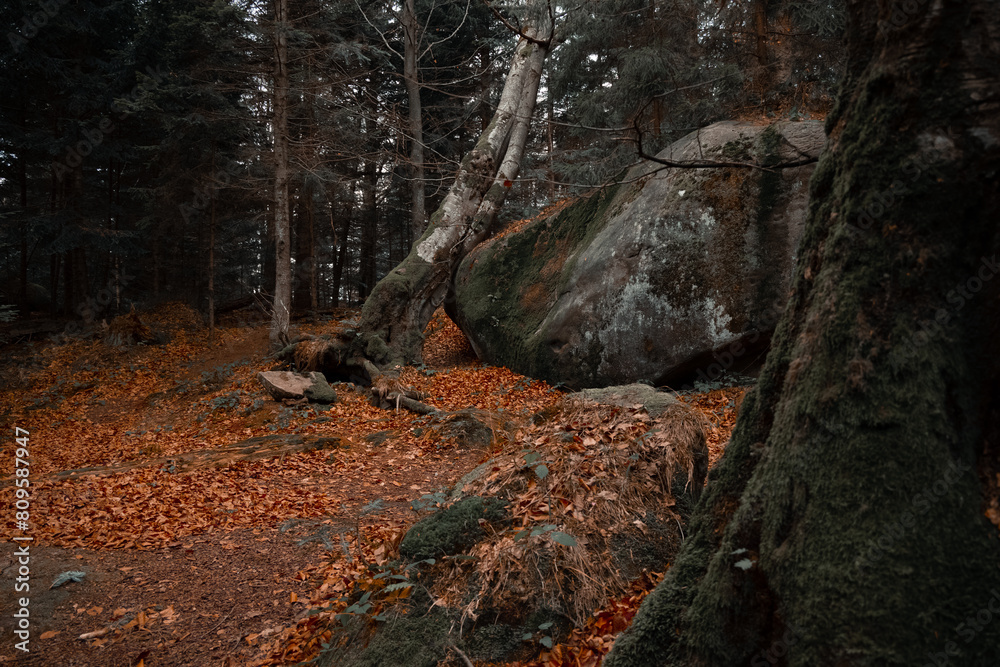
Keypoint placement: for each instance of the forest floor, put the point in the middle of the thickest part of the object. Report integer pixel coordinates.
(228, 564)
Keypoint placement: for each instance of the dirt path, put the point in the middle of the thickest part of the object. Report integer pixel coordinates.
(192, 564)
(207, 599)
(189, 605)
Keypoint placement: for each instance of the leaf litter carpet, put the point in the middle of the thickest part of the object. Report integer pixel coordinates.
(244, 564)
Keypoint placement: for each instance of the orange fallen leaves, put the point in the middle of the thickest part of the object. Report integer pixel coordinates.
(88, 405)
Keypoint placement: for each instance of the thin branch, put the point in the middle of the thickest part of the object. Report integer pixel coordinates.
(453, 32)
(464, 658)
(708, 164)
(380, 33)
(544, 43)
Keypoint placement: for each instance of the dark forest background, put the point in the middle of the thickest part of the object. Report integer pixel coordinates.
(136, 147)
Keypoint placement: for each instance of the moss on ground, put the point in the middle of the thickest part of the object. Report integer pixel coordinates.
(419, 638)
(452, 530)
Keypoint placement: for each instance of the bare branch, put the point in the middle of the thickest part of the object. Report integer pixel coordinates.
(517, 30)
(453, 32)
(380, 33)
(707, 164)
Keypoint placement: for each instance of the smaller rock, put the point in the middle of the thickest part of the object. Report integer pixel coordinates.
(627, 395)
(321, 391)
(286, 384)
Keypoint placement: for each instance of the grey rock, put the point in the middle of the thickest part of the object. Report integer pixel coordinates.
(655, 402)
(663, 275)
(287, 384)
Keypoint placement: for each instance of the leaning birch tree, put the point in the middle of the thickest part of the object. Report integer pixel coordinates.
(399, 308)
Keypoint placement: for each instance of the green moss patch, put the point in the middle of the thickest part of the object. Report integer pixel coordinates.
(452, 530)
(516, 278)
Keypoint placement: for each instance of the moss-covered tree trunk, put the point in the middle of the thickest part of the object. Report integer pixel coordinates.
(399, 308)
(845, 524)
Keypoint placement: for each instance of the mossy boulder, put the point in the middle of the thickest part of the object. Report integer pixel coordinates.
(655, 402)
(672, 272)
(452, 530)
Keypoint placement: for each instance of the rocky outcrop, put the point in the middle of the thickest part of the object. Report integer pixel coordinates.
(669, 274)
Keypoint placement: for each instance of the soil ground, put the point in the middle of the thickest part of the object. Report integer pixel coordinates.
(209, 567)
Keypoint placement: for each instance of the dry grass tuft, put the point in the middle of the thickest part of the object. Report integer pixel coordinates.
(310, 355)
(127, 330)
(582, 486)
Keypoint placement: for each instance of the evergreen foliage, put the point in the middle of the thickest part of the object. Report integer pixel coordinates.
(135, 141)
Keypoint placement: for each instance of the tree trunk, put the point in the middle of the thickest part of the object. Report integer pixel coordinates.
(762, 74)
(845, 523)
(369, 229)
(211, 260)
(22, 292)
(338, 268)
(301, 287)
(312, 269)
(282, 223)
(411, 45)
(398, 310)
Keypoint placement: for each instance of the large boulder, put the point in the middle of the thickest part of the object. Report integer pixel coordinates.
(673, 274)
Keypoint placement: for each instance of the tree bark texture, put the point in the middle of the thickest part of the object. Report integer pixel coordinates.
(401, 305)
(282, 223)
(411, 47)
(845, 523)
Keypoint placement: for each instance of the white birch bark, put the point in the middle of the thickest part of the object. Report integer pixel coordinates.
(402, 304)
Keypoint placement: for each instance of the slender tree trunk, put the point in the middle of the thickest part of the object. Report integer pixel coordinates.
(282, 224)
(312, 268)
(69, 293)
(22, 296)
(54, 267)
(550, 145)
(211, 260)
(845, 523)
(398, 310)
(268, 265)
(22, 163)
(762, 73)
(338, 269)
(411, 46)
(156, 262)
(369, 230)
